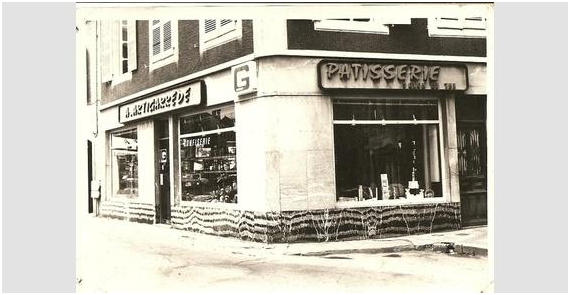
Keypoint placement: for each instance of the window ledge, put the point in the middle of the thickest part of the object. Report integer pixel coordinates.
(208, 205)
(161, 62)
(121, 78)
(385, 203)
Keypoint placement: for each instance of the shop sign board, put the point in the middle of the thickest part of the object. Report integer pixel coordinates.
(174, 99)
(335, 74)
(245, 78)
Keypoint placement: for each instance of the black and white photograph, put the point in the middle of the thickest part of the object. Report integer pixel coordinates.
(299, 147)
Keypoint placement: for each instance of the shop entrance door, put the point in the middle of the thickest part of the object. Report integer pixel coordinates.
(163, 210)
(163, 173)
(472, 159)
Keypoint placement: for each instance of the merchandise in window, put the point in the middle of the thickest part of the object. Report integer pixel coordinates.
(208, 156)
(387, 150)
(124, 164)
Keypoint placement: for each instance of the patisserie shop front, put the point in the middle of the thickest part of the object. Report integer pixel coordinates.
(284, 149)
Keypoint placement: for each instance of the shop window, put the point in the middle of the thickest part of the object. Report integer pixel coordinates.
(387, 149)
(163, 41)
(214, 32)
(208, 156)
(353, 25)
(124, 163)
(470, 27)
(118, 50)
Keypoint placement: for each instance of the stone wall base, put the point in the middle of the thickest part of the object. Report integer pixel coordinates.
(319, 225)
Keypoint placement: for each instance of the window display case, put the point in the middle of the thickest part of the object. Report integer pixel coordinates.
(387, 149)
(208, 157)
(124, 165)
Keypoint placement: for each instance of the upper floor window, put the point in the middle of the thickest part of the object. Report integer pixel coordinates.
(458, 27)
(352, 25)
(163, 41)
(214, 32)
(118, 50)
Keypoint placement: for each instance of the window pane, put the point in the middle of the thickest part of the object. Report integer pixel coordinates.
(125, 66)
(125, 140)
(209, 120)
(387, 162)
(125, 51)
(124, 163)
(124, 33)
(208, 168)
(385, 110)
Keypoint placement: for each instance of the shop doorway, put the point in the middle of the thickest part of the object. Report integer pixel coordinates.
(163, 200)
(472, 158)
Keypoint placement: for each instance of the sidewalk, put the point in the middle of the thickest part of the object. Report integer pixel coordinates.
(470, 240)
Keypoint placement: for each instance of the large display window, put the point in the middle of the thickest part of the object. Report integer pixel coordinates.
(387, 149)
(124, 163)
(208, 156)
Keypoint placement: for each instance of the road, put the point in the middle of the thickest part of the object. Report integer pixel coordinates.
(119, 256)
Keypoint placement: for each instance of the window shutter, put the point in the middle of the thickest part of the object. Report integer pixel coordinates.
(167, 36)
(155, 39)
(225, 22)
(450, 23)
(106, 51)
(209, 25)
(474, 23)
(132, 44)
(115, 48)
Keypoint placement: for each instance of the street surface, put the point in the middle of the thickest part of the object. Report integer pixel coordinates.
(119, 256)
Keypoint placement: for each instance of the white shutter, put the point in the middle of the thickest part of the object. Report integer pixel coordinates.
(115, 48)
(155, 41)
(167, 36)
(450, 23)
(132, 44)
(106, 51)
(209, 25)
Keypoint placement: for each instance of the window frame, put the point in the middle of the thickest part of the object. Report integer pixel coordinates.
(164, 57)
(457, 30)
(373, 26)
(220, 35)
(112, 157)
(118, 75)
(198, 134)
(446, 195)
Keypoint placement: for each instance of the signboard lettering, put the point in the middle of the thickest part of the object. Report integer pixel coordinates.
(245, 78)
(391, 75)
(171, 100)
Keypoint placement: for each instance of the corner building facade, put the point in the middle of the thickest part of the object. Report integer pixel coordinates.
(334, 129)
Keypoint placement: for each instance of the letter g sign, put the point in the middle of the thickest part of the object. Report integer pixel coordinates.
(245, 78)
(241, 78)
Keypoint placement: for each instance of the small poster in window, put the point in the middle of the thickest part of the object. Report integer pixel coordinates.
(203, 152)
(385, 186)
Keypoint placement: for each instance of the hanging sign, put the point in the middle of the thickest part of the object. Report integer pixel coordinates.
(391, 75)
(174, 99)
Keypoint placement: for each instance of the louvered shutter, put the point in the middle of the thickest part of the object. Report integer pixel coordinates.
(450, 23)
(209, 25)
(167, 35)
(474, 23)
(132, 44)
(115, 48)
(225, 22)
(155, 38)
(106, 51)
